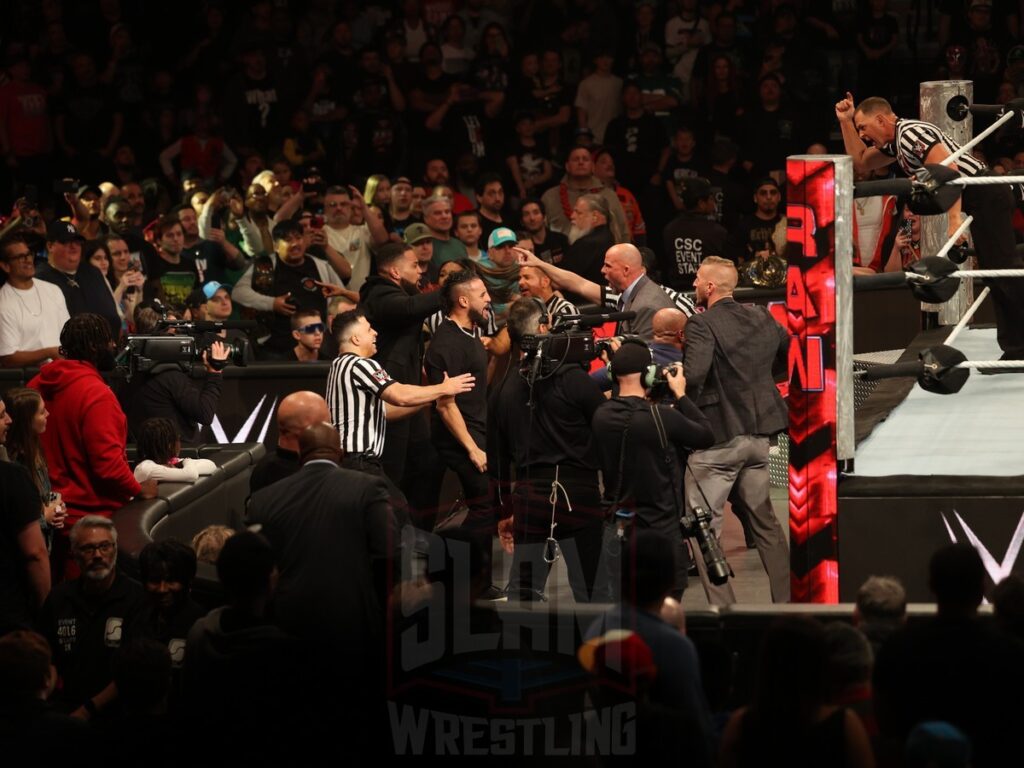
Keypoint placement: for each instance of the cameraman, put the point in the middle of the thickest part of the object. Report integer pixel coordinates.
(175, 395)
(644, 446)
(552, 446)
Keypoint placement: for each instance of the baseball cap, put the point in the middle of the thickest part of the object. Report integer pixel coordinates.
(211, 288)
(62, 232)
(416, 233)
(631, 358)
(502, 236)
(401, 180)
(765, 182)
(85, 189)
(696, 187)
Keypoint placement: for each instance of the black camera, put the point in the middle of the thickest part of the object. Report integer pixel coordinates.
(697, 525)
(156, 354)
(604, 344)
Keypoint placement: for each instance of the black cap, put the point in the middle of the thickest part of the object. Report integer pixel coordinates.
(62, 232)
(632, 357)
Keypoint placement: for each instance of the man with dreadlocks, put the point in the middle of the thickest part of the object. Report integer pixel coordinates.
(85, 437)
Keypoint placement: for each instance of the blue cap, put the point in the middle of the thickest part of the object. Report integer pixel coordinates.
(212, 287)
(502, 236)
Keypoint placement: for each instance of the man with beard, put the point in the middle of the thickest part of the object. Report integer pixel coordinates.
(730, 352)
(590, 220)
(84, 619)
(459, 424)
(32, 312)
(436, 174)
(84, 445)
(560, 201)
(396, 309)
(762, 233)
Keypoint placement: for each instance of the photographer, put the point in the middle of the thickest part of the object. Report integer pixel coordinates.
(174, 394)
(643, 447)
(542, 425)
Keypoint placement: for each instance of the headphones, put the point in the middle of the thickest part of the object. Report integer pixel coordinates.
(648, 375)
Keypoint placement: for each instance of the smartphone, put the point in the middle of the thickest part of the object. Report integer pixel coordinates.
(134, 265)
(316, 222)
(906, 228)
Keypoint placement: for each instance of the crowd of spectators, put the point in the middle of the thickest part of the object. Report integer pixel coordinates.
(351, 179)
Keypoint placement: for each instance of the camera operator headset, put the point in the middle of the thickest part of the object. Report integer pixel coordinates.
(542, 413)
(174, 389)
(643, 451)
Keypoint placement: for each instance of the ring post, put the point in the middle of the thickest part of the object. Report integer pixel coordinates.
(934, 96)
(819, 307)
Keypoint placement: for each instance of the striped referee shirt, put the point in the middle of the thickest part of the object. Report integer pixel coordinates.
(556, 305)
(610, 299)
(354, 386)
(914, 140)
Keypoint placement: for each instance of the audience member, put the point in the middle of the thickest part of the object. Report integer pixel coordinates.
(296, 412)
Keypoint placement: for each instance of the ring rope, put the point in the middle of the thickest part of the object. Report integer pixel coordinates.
(991, 364)
(980, 137)
(948, 245)
(985, 181)
(967, 317)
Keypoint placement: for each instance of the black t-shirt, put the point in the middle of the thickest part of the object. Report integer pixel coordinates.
(530, 160)
(678, 171)
(289, 278)
(454, 351)
(585, 257)
(553, 249)
(752, 234)
(636, 144)
(85, 291)
(85, 632)
(557, 430)
(19, 507)
(690, 237)
(208, 261)
(652, 476)
(171, 283)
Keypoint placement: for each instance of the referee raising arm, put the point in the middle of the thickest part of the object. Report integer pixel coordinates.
(358, 387)
(875, 137)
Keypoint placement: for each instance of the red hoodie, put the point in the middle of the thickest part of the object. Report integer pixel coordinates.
(84, 441)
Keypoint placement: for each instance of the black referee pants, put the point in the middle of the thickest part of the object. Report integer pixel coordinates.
(992, 229)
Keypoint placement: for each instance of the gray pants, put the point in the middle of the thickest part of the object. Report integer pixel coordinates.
(740, 466)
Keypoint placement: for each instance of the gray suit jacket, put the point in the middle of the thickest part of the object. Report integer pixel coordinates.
(730, 351)
(646, 299)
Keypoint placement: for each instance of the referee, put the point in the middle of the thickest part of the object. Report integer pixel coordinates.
(358, 387)
(875, 137)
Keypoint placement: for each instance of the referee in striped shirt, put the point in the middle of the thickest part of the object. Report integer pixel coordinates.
(875, 137)
(358, 388)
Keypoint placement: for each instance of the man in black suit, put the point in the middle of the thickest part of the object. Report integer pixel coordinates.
(730, 351)
(331, 530)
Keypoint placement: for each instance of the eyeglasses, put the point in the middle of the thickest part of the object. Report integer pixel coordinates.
(105, 547)
(20, 257)
(313, 328)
